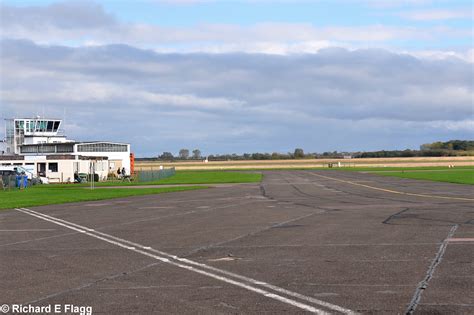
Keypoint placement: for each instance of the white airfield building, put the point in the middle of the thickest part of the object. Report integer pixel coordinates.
(40, 146)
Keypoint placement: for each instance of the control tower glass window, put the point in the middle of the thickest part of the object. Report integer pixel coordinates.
(19, 125)
(41, 125)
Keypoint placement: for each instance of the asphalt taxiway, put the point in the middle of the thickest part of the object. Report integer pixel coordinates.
(300, 241)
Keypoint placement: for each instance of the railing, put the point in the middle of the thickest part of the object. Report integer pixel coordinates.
(9, 182)
(149, 176)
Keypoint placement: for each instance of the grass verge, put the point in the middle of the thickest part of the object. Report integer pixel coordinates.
(51, 194)
(209, 177)
(459, 176)
(405, 169)
(186, 177)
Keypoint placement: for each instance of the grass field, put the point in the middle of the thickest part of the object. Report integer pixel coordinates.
(307, 163)
(406, 169)
(186, 178)
(54, 194)
(454, 175)
(458, 174)
(209, 177)
(63, 193)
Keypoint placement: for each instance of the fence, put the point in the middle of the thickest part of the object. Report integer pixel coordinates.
(8, 182)
(149, 176)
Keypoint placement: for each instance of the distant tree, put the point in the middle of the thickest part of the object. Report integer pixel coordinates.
(261, 156)
(408, 153)
(196, 154)
(183, 154)
(299, 153)
(452, 145)
(425, 147)
(166, 156)
(436, 145)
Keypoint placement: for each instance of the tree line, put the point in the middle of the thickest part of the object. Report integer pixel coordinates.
(452, 145)
(435, 149)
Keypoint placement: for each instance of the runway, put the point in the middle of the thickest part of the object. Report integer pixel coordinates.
(300, 242)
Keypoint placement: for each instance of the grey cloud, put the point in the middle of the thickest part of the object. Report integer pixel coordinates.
(336, 99)
(62, 15)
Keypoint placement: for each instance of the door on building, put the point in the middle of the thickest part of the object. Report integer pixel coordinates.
(41, 169)
(115, 165)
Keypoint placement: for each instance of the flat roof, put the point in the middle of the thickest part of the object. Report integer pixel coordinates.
(73, 143)
(36, 135)
(34, 118)
(43, 144)
(85, 142)
(52, 157)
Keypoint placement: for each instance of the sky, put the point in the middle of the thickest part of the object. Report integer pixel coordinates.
(242, 76)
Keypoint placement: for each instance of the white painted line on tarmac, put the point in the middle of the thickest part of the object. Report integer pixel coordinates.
(71, 226)
(185, 264)
(391, 190)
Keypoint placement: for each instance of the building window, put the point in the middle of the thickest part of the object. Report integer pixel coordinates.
(102, 147)
(47, 149)
(29, 149)
(53, 167)
(64, 148)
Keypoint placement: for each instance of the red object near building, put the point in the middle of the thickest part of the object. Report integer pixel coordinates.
(132, 163)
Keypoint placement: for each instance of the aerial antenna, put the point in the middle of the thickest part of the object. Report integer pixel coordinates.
(64, 117)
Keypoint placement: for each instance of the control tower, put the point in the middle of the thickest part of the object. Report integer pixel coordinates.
(24, 131)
